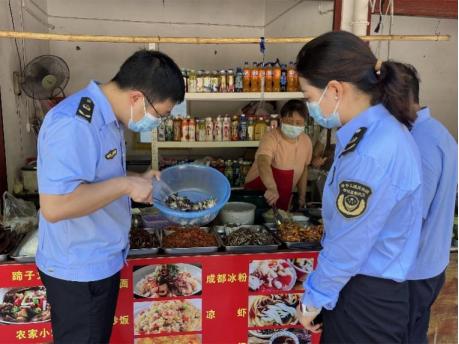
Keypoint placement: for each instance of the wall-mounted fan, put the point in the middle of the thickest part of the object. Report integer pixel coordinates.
(45, 77)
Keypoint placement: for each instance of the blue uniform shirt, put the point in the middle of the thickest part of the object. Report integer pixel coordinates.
(439, 167)
(81, 141)
(371, 206)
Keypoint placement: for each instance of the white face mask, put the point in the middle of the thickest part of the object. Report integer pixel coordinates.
(291, 131)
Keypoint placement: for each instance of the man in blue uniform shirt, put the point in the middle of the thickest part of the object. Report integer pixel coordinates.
(439, 166)
(85, 191)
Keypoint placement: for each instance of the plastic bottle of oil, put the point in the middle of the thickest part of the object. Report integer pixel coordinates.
(268, 78)
(291, 78)
(254, 82)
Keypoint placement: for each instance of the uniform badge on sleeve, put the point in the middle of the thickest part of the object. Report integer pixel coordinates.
(352, 199)
(111, 154)
(85, 108)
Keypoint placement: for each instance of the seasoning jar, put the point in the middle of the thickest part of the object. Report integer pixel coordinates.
(200, 81)
(161, 132)
(226, 128)
(201, 130)
(209, 129)
(207, 85)
(185, 129)
(169, 129)
(218, 129)
(177, 129)
(223, 85)
(230, 81)
(235, 129)
(192, 81)
(215, 81)
(191, 130)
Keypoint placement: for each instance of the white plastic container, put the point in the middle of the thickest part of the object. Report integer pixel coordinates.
(240, 213)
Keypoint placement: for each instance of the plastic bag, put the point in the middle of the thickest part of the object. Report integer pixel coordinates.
(18, 215)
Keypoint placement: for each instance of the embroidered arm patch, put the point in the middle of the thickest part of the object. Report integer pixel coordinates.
(352, 199)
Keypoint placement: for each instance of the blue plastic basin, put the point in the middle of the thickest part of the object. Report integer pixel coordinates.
(197, 182)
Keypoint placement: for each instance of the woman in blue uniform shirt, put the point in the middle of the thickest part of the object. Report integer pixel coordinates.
(372, 199)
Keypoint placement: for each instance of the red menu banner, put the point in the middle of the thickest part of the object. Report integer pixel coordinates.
(214, 299)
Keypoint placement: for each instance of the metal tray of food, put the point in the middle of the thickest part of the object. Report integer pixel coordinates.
(21, 259)
(137, 241)
(226, 231)
(301, 243)
(304, 245)
(189, 250)
(271, 226)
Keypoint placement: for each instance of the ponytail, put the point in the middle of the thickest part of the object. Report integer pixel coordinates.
(396, 94)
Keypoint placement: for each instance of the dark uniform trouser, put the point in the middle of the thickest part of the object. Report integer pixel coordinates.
(369, 310)
(422, 295)
(82, 312)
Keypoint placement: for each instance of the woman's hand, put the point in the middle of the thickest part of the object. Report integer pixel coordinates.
(307, 321)
(271, 196)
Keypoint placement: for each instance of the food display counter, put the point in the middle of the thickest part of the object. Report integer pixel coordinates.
(213, 298)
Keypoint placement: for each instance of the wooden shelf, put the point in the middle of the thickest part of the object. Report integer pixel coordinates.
(243, 96)
(219, 144)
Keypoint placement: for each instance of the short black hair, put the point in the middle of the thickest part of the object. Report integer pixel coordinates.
(154, 74)
(294, 105)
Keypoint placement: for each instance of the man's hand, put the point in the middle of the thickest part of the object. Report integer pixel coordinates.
(307, 322)
(140, 189)
(150, 174)
(271, 196)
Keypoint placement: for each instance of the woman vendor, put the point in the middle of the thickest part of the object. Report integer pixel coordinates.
(282, 159)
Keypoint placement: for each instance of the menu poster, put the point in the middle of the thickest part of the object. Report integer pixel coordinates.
(25, 314)
(237, 298)
(209, 299)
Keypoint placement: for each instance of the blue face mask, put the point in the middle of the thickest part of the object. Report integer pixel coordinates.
(291, 131)
(147, 123)
(331, 121)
